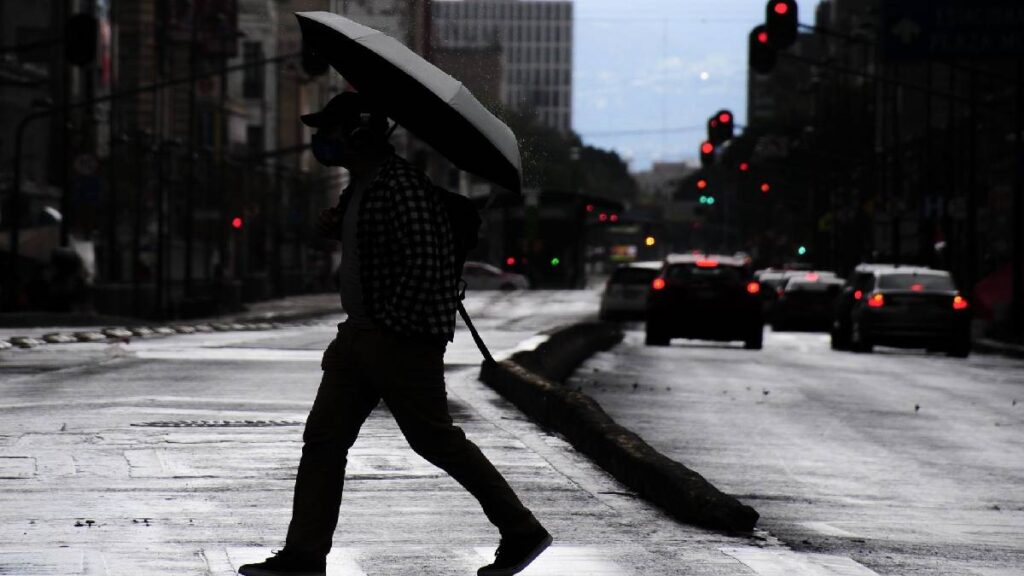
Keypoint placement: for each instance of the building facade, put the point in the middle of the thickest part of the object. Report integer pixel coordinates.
(535, 38)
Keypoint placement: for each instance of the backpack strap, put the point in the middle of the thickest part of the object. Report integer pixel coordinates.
(488, 359)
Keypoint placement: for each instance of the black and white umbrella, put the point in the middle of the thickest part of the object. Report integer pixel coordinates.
(417, 95)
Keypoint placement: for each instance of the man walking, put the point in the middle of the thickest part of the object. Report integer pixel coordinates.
(399, 287)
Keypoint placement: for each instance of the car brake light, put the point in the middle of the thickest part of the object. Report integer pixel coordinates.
(707, 263)
(876, 301)
(959, 302)
(917, 287)
(811, 277)
(858, 294)
(658, 284)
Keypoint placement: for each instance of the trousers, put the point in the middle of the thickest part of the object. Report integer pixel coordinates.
(361, 367)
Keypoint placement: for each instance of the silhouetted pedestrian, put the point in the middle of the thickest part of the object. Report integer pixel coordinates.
(399, 287)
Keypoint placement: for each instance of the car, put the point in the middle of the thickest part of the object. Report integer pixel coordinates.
(625, 292)
(901, 306)
(772, 279)
(805, 302)
(484, 276)
(711, 297)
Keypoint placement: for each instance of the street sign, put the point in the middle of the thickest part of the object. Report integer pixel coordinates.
(927, 29)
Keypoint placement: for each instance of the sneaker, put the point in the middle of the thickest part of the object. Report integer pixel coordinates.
(514, 554)
(284, 563)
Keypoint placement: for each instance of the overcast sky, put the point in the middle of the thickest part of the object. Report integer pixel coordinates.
(648, 73)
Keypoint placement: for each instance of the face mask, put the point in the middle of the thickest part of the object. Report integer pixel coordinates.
(327, 151)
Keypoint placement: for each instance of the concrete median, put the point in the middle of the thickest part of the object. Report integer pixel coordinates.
(532, 381)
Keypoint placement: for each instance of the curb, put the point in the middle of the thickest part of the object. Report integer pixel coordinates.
(265, 321)
(996, 347)
(679, 491)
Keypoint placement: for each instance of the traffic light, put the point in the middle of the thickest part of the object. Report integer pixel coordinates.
(781, 19)
(707, 153)
(236, 223)
(744, 166)
(801, 251)
(723, 121)
(765, 187)
(81, 35)
(702, 184)
(707, 200)
(313, 64)
(761, 53)
(649, 241)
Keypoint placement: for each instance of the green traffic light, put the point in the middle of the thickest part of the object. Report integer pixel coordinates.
(703, 199)
(711, 200)
(801, 250)
(555, 261)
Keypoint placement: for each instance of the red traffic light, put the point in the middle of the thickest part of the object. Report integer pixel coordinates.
(510, 261)
(744, 166)
(602, 217)
(236, 223)
(702, 184)
(781, 8)
(765, 188)
(614, 218)
(707, 148)
(590, 207)
(725, 117)
(762, 37)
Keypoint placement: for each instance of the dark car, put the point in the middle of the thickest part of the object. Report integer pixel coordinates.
(625, 293)
(706, 297)
(805, 301)
(901, 306)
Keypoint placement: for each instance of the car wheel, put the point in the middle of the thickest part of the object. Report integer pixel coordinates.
(840, 336)
(756, 340)
(859, 342)
(655, 338)
(959, 349)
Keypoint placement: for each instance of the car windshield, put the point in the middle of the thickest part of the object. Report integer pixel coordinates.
(715, 275)
(910, 281)
(633, 276)
(809, 286)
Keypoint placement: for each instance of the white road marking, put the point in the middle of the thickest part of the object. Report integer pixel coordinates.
(781, 562)
(63, 561)
(339, 561)
(829, 530)
(561, 560)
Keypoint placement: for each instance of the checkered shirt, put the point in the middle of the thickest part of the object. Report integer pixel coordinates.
(406, 253)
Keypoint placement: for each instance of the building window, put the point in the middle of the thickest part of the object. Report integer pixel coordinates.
(252, 77)
(254, 139)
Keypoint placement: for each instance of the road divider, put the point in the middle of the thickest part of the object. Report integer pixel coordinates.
(532, 381)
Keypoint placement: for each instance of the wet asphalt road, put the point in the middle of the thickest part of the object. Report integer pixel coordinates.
(910, 463)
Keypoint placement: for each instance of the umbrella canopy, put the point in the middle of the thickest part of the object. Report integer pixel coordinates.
(435, 107)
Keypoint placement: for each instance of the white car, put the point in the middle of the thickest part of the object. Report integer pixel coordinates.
(483, 276)
(625, 293)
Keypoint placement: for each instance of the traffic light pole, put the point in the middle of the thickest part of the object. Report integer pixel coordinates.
(1017, 219)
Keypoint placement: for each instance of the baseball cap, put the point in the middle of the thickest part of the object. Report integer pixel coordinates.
(346, 108)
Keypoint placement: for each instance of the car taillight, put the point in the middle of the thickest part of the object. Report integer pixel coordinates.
(858, 294)
(658, 284)
(707, 263)
(811, 277)
(959, 302)
(917, 287)
(876, 301)
(753, 287)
